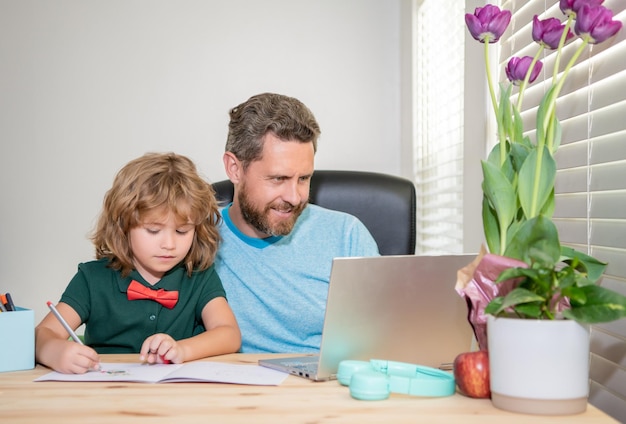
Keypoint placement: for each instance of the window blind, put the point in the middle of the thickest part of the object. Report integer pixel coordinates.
(438, 124)
(590, 188)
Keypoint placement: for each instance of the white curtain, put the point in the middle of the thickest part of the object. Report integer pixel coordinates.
(439, 32)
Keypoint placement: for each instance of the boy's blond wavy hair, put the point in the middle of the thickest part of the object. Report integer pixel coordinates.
(157, 182)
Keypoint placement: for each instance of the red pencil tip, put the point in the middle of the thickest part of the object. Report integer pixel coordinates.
(48, 303)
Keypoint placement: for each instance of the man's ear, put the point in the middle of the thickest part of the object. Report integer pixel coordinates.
(233, 167)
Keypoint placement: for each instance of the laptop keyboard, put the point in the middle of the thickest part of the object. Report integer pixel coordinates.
(304, 367)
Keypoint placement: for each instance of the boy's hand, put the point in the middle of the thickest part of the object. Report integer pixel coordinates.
(161, 349)
(73, 358)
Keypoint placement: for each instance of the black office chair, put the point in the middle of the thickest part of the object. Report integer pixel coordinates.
(384, 203)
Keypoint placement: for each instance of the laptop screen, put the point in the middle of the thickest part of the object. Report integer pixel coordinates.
(401, 308)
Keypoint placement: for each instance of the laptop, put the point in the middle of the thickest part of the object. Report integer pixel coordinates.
(398, 308)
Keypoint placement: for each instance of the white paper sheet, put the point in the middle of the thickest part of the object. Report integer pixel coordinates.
(198, 371)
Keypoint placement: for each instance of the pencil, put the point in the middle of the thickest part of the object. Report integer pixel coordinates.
(10, 302)
(64, 323)
(4, 303)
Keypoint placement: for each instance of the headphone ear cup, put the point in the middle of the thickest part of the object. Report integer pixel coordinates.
(348, 367)
(369, 385)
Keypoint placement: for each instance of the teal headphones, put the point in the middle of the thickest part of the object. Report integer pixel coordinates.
(376, 379)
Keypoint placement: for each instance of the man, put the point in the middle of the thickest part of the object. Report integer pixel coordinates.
(277, 250)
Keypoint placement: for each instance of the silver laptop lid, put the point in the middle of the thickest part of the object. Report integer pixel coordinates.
(401, 308)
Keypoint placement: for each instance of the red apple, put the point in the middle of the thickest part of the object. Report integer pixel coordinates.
(471, 372)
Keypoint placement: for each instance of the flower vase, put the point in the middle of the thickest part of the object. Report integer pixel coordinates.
(538, 366)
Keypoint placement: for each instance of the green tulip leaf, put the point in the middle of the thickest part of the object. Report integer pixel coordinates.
(542, 115)
(548, 206)
(556, 135)
(536, 241)
(505, 110)
(518, 128)
(490, 226)
(500, 194)
(536, 181)
(494, 155)
(507, 167)
(519, 153)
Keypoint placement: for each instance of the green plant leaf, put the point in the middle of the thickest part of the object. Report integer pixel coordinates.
(518, 153)
(541, 282)
(517, 128)
(537, 240)
(576, 295)
(514, 227)
(601, 305)
(526, 143)
(512, 273)
(556, 136)
(506, 112)
(548, 206)
(586, 264)
(501, 195)
(494, 306)
(515, 297)
(568, 277)
(536, 181)
(494, 155)
(529, 310)
(490, 226)
(544, 107)
(507, 167)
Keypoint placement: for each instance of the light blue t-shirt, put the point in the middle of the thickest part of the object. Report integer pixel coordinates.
(277, 286)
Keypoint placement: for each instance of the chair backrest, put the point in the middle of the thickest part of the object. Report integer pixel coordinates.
(384, 203)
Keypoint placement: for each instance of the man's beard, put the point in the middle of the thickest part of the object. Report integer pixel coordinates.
(259, 219)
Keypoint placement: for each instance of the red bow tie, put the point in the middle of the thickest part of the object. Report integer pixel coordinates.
(139, 291)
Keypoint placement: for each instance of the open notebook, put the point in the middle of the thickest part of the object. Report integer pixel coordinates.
(399, 308)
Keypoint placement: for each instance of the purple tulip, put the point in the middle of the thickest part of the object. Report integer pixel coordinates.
(569, 7)
(597, 22)
(487, 23)
(548, 32)
(517, 68)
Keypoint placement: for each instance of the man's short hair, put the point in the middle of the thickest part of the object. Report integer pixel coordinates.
(285, 117)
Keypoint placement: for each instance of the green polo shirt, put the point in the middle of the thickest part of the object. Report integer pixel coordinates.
(114, 324)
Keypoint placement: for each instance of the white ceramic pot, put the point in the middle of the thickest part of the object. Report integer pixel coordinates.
(538, 366)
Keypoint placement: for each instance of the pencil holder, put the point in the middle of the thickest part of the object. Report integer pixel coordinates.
(18, 339)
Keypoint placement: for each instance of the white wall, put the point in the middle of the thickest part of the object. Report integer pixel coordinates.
(87, 85)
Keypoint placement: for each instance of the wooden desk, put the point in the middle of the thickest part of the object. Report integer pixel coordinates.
(297, 400)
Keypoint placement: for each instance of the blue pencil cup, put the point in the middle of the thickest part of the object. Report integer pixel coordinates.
(18, 332)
